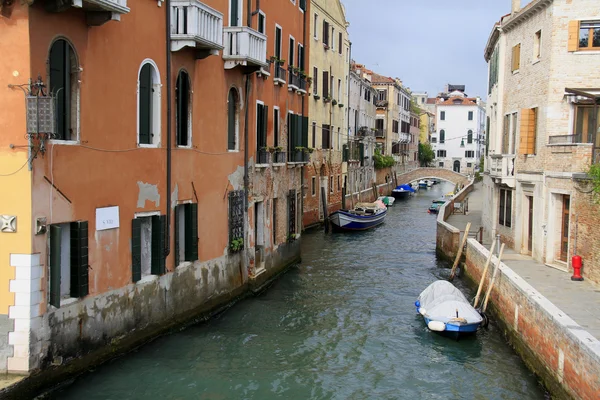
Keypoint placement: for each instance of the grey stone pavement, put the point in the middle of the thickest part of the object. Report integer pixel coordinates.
(579, 300)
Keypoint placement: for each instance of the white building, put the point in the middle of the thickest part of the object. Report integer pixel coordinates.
(459, 140)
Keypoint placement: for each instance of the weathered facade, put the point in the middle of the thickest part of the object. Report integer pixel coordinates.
(328, 129)
(165, 183)
(543, 132)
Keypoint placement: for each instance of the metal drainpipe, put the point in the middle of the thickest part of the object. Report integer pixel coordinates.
(168, 69)
(303, 168)
(246, 177)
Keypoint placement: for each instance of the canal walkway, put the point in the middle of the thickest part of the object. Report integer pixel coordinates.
(578, 300)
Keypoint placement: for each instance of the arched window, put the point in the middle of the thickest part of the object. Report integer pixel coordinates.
(64, 86)
(442, 136)
(470, 137)
(182, 112)
(149, 104)
(232, 119)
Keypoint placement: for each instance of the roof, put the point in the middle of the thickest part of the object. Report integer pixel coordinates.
(376, 78)
(431, 100)
(458, 101)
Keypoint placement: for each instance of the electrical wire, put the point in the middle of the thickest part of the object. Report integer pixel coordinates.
(22, 166)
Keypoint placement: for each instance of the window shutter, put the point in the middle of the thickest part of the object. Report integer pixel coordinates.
(345, 153)
(516, 57)
(145, 100)
(158, 245)
(340, 42)
(231, 110)
(361, 153)
(524, 131)
(573, 43)
(55, 239)
(265, 124)
(58, 55)
(136, 250)
(299, 131)
(325, 33)
(325, 84)
(79, 259)
(178, 211)
(304, 131)
(191, 232)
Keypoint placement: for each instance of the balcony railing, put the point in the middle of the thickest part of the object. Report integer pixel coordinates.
(503, 166)
(244, 46)
(302, 84)
(569, 139)
(280, 74)
(194, 24)
(298, 156)
(263, 157)
(279, 157)
(97, 11)
(292, 79)
(379, 133)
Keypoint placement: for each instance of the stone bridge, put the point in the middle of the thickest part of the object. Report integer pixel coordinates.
(428, 173)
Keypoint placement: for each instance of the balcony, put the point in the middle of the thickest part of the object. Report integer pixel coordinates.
(194, 24)
(379, 133)
(244, 46)
(293, 79)
(502, 169)
(298, 156)
(97, 12)
(280, 74)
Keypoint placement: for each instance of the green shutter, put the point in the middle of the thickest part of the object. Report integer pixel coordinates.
(361, 153)
(145, 100)
(191, 232)
(136, 249)
(345, 153)
(55, 236)
(79, 259)
(178, 210)
(158, 245)
(58, 86)
(265, 124)
(303, 5)
(304, 131)
(234, 16)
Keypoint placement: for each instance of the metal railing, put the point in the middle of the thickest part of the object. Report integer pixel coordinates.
(263, 156)
(280, 72)
(192, 20)
(298, 156)
(279, 157)
(379, 133)
(569, 139)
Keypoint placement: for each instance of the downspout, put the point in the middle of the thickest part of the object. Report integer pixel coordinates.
(168, 203)
(246, 177)
(303, 169)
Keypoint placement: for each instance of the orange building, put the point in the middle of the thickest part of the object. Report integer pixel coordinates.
(154, 176)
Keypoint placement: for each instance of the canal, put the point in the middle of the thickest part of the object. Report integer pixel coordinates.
(341, 325)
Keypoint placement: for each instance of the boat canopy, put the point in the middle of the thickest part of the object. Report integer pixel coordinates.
(406, 187)
(442, 301)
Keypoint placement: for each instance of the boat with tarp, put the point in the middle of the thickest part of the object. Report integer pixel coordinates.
(362, 217)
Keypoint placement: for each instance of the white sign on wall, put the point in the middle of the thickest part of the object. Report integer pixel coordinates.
(107, 218)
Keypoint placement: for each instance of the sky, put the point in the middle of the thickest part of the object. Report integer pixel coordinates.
(425, 43)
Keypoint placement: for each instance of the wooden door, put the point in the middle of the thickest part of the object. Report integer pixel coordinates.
(564, 237)
(530, 226)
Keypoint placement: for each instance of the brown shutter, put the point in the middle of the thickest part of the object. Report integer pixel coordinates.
(516, 57)
(573, 43)
(532, 131)
(524, 131)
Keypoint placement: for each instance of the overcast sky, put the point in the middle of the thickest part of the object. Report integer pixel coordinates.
(426, 44)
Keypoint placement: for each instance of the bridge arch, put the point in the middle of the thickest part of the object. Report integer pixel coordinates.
(429, 173)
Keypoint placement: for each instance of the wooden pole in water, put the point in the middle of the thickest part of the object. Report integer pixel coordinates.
(487, 264)
(460, 250)
(487, 295)
(325, 216)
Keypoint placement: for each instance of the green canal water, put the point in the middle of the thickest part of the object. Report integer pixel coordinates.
(341, 325)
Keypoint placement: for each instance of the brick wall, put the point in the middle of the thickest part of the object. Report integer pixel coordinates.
(564, 356)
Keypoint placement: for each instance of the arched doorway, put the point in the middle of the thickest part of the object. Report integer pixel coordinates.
(456, 166)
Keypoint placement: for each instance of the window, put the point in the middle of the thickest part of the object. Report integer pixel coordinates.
(469, 165)
(235, 13)
(331, 187)
(470, 154)
(232, 120)
(333, 38)
(236, 219)
(314, 134)
(68, 261)
(442, 136)
(340, 43)
(395, 126)
(339, 184)
(537, 46)
(182, 110)
(470, 115)
(505, 208)
(325, 84)
(262, 21)
(441, 153)
(433, 140)
(278, 38)
(314, 186)
(148, 104)
(516, 58)
(326, 34)
(325, 137)
(148, 246)
(528, 131)
(276, 126)
(315, 82)
(470, 137)
(262, 119)
(382, 95)
(274, 222)
(441, 164)
(292, 49)
(339, 99)
(315, 24)
(303, 5)
(64, 85)
(186, 232)
(301, 56)
(584, 35)
(442, 115)
(584, 124)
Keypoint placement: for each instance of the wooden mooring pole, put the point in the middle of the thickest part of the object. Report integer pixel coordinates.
(325, 216)
(489, 291)
(460, 251)
(487, 264)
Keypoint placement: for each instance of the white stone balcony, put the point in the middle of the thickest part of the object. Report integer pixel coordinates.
(196, 25)
(97, 11)
(502, 169)
(244, 46)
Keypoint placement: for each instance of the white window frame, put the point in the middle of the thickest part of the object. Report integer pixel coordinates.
(316, 23)
(265, 22)
(293, 48)
(156, 105)
(240, 11)
(190, 108)
(237, 118)
(280, 42)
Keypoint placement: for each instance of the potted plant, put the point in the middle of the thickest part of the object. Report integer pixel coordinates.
(334, 102)
(236, 245)
(270, 149)
(340, 105)
(327, 99)
(278, 148)
(316, 97)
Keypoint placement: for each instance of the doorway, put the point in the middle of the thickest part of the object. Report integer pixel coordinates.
(456, 166)
(564, 236)
(530, 226)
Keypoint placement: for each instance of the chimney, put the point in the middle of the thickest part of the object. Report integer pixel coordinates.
(516, 6)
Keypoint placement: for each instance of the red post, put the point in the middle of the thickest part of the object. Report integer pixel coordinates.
(576, 263)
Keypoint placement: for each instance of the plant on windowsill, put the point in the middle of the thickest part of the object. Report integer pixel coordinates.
(327, 99)
(270, 149)
(334, 102)
(292, 236)
(308, 150)
(594, 174)
(236, 245)
(316, 97)
(309, 80)
(278, 148)
(340, 105)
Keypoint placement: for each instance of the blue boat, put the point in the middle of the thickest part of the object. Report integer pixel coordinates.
(447, 311)
(402, 191)
(364, 216)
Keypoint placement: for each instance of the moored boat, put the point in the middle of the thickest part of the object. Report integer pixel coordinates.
(403, 191)
(364, 216)
(434, 208)
(446, 310)
(422, 184)
(387, 200)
